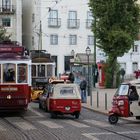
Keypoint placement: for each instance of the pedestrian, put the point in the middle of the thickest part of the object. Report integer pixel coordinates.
(71, 77)
(122, 73)
(136, 74)
(83, 87)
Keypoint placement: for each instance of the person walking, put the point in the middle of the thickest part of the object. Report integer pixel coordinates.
(83, 87)
(71, 77)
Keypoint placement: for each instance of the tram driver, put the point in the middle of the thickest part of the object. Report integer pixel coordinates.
(9, 75)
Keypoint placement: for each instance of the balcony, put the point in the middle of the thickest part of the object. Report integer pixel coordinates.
(7, 9)
(89, 23)
(54, 22)
(73, 23)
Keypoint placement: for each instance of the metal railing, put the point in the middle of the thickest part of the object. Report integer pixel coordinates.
(7, 9)
(88, 23)
(73, 23)
(54, 22)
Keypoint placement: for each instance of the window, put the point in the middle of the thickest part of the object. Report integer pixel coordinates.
(54, 39)
(41, 70)
(49, 70)
(53, 19)
(9, 72)
(6, 4)
(73, 39)
(53, 14)
(72, 15)
(73, 22)
(90, 40)
(6, 22)
(33, 70)
(22, 73)
(89, 19)
(135, 66)
(67, 91)
(135, 48)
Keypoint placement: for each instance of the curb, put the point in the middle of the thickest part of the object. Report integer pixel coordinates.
(91, 109)
(97, 111)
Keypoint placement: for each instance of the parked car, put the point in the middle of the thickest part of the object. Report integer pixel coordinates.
(60, 99)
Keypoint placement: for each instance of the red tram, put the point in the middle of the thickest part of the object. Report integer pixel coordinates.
(15, 77)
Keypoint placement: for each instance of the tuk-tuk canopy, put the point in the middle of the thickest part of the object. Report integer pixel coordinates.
(66, 91)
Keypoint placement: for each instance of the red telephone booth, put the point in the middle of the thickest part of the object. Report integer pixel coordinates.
(101, 74)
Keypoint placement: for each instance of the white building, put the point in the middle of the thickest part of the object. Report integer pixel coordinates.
(11, 18)
(63, 26)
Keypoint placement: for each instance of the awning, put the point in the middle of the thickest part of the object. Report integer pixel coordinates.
(82, 58)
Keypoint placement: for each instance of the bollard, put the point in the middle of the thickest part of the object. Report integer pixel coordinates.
(105, 101)
(97, 99)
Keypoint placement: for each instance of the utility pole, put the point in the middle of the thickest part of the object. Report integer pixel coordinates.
(40, 36)
(94, 64)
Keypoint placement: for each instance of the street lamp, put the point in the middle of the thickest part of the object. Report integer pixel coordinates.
(94, 68)
(88, 52)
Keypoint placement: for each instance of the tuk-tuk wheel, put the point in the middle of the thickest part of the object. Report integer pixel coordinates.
(138, 117)
(113, 119)
(77, 115)
(53, 115)
(46, 109)
(40, 107)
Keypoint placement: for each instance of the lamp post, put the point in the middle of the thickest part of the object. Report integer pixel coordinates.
(94, 68)
(88, 52)
(72, 60)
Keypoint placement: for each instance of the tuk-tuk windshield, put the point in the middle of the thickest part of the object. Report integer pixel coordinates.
(122, 90)
(66, 91)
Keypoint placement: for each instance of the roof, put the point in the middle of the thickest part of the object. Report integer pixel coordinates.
(40, 56)
(82, 58)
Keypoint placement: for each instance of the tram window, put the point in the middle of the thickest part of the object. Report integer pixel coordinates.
(41, 70)
(8, 72)
(33, 70)
(22, 73)
(49, 70)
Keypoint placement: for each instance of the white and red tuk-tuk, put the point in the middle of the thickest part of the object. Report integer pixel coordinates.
(126, 102)
(60, 99)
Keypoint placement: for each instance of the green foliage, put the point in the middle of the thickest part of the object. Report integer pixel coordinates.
(3, 36)
(117, 26)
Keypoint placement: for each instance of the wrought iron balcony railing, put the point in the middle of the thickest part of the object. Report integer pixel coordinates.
(88, 23)
(7, 9)
(54, 22)
(73, 23)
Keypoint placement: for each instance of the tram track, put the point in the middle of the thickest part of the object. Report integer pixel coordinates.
(42, 130)
(23, 135)
(113, 132)
(14, 129)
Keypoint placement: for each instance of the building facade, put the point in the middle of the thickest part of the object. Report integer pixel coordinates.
(11, 18)
(63, 28)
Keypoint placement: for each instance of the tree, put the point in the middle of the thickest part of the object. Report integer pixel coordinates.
(117, 25)
(3, 36)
